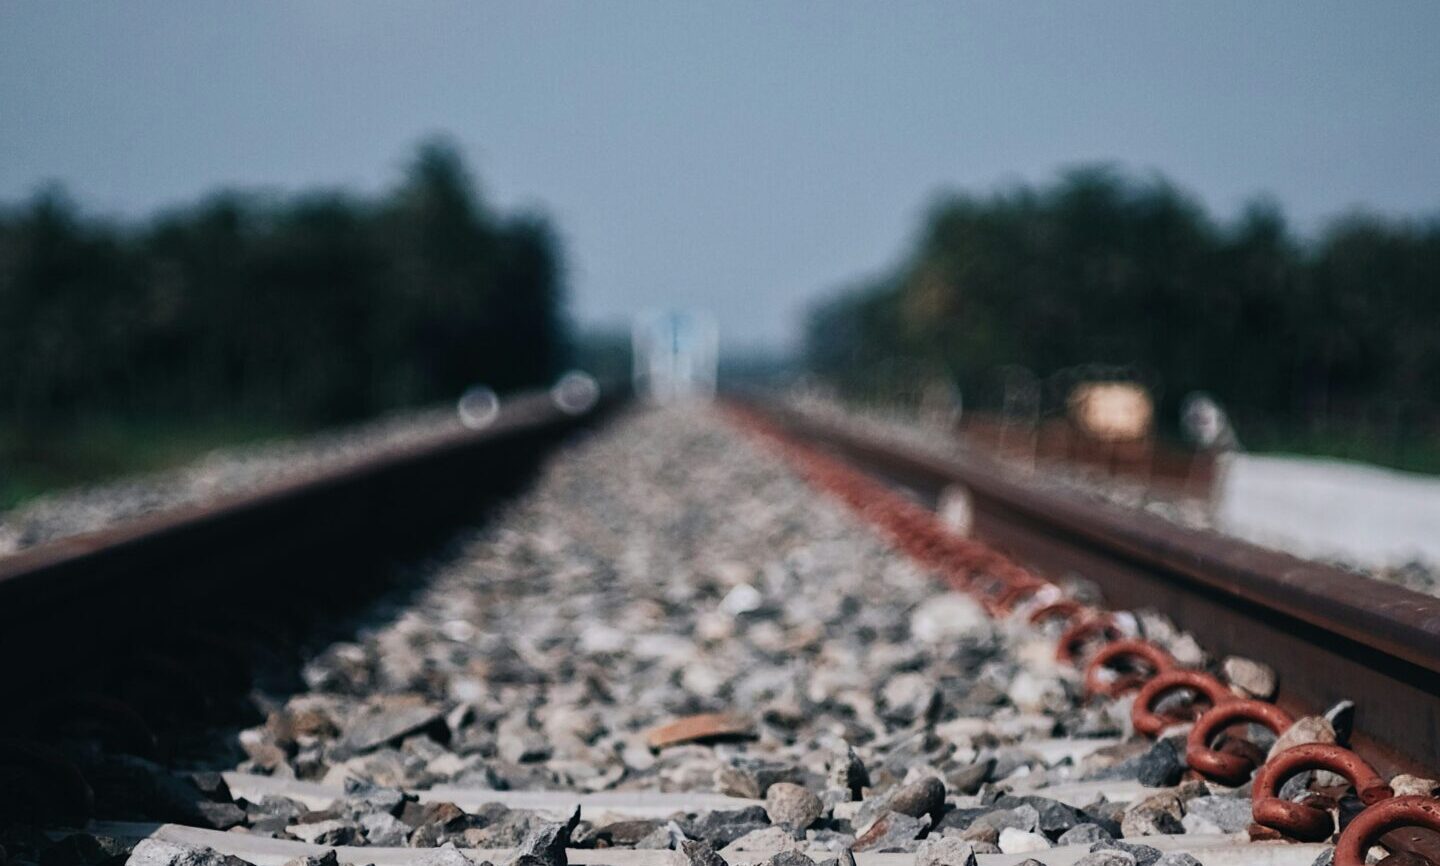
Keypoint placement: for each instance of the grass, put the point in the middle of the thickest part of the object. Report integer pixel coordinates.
(37, 461)
(1413, 452)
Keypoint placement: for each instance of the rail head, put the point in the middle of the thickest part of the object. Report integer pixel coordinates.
(61, 567)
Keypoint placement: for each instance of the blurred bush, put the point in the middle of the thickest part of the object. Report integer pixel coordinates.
(312, 309)
(1101, 267)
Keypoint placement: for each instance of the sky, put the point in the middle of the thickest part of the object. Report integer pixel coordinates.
(744, 158)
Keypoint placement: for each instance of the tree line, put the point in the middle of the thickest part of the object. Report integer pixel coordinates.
(1101, 267)
(312, 308)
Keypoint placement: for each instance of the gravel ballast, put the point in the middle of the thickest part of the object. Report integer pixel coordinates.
(221, 473)
(669, 610)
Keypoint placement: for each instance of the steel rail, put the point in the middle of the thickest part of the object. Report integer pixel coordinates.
(61, 600)
(1330, 634)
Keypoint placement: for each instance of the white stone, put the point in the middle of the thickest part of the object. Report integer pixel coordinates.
(945, 851)
(1253, 679)
(742, 599)
(1035, 693)
(1017, 841)
(949, 617)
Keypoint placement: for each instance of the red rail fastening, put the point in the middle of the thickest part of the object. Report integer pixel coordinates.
(1067, 610)
(1130, 650)
(1011, 594)
(910, 527)
(1223, 766)
(962, 563)
(1101, 627)
(1384, 817)
(1303, 821)
(1151, 723)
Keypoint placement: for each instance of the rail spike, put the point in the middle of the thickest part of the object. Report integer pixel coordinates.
(1300, 820)
(1102, 627)
(1013, 591)
(1151, 723)
(1384, 817)
(1218, 766)
(1066, 610)
(1151, 654)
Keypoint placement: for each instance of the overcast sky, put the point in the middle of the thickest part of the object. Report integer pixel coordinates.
(739, 157)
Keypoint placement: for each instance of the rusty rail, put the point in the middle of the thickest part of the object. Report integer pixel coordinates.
(62, 601)
(1330, 634)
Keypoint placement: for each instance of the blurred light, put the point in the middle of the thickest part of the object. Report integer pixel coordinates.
(1112, 411)
(1206, 423)
(478, 407)
(576, 392)
(676, 355)
(957, 511)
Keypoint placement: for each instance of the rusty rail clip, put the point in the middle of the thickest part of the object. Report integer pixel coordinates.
(1101, 627)
(1231, 769)
(1151, 723)
(1131, 649)
(1011, 595)
(1384, 817)
(1066, 610)
(1300, 820)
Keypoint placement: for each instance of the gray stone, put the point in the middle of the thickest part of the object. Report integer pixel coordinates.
(329, 858)
(1307, 729)
(1084, 834)
(220, 816)
(910, 697)
(1298, 786)
(922, 797)
(848, 773)
(382, 828)
(331, 832)
(1256, 680)
(699, 853)
(622, 834)
(1052, 816)
(366, 797)
(1144, 855)
(793, 806)
(154, 852)
(969, 778)
(384, 723)
(661, 838)
(1218, 814)
(894, 831)
(945, 851)
(1342, 720)
(545, 846)
(1156, 815)
(518, 743)
(444, 855)
(720, 827)
(767, 838)
(1161, 766)
(1107, 858)
(1022, 817)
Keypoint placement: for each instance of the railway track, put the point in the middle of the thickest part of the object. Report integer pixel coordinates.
(668, 648)
(1334, 639)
